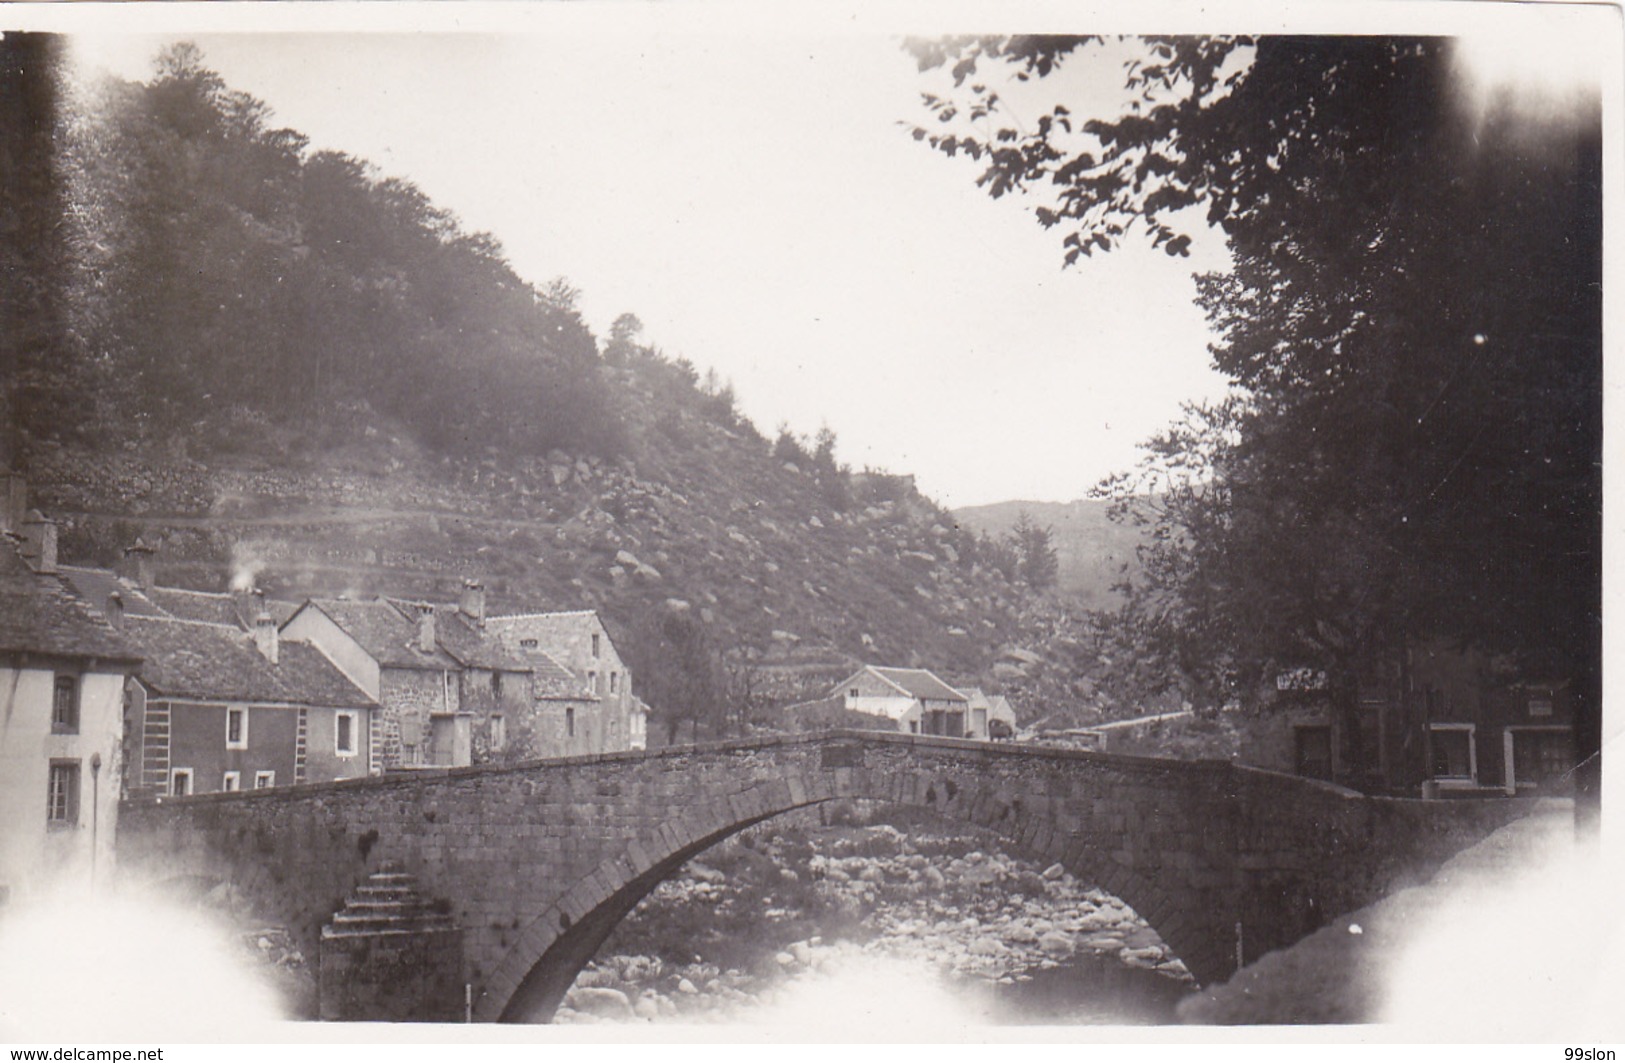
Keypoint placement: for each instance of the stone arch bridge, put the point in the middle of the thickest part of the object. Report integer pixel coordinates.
(538, 862)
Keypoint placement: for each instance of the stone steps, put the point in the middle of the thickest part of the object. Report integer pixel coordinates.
(387, 903)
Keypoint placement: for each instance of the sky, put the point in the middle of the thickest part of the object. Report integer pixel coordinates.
(757, 201)
(751, 192)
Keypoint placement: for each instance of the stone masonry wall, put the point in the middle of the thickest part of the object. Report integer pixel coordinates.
(407, 698)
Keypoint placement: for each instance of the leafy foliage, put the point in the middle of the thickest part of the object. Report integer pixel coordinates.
(681, 673)
(1412, 326)
(219, 265)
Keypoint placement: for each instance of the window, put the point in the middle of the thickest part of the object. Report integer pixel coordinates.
(595, 647)
(231, 782)
(570, 721)
(264, 780)
(614, 679)
(527, 644)
(1541, 756)
(1540, 703)
(236, 727)
(344, 733)
(65, 705)
(1453, 754)
(496, 684)
(180, 782)
(853, 693)
(592, 682)
(62, 797)
(914, 727)
(499, 733)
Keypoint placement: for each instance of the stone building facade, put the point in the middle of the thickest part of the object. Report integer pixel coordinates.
(399, 662)
(581, 688)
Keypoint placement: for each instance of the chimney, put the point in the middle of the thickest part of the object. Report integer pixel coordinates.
(472, 603)
(39, 542)
(426, 628)
(265, 636)
(13, 501)
(136, 564)
(115, 610)
(249, 603)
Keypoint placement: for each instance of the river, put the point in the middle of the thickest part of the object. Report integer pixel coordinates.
(926, 925)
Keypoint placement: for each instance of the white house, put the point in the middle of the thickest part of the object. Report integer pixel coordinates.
(62, 675)
(917, 700)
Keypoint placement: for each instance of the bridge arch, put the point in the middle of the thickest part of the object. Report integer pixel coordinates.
(539, 968)
(539, 861)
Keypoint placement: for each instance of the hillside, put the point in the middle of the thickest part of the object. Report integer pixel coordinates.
(706, 525)
(273, 365)
(1093, 551)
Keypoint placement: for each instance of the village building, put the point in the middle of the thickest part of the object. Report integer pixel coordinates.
(63, 670)
(582, 689)
(916, 700)
(400, 663)
(494, 682)
(215, 709)
(991, 715)
(1448, 722)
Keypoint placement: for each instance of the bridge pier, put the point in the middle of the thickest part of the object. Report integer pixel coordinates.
(388, 956)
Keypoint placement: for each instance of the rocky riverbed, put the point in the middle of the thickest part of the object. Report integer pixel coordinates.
(767, 915)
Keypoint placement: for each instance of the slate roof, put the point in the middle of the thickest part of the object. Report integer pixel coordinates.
(96, 585)
(204, 606)
(40, 613)
(459, 636)
(919, 683)
(551, 681)
(547, 628)
(381, 629)
(217, 662)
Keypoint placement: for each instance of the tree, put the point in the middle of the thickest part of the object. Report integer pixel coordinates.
(31, 211)
(1036, 563)
(681, 675)
(1412, 326)
(788, 448)
(218, 275)
(624, 335)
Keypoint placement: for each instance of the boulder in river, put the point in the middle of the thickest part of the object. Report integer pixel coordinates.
(1056, 944)
(1022, 934)
(601, 1001)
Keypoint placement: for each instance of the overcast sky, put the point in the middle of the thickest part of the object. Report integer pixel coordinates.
(752, 193)
(758, 202)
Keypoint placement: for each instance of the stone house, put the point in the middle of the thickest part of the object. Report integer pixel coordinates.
(216, 709)
(916, 700)
(581, 686)
(63, 670)
(494, 682)
(1444, 722)
(400, 663)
